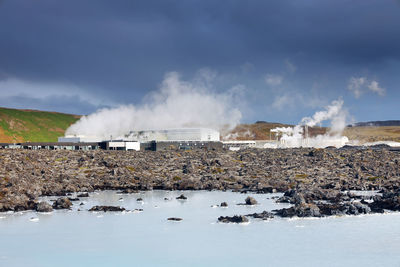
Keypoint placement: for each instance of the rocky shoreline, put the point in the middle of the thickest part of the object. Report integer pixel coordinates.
(315, 181)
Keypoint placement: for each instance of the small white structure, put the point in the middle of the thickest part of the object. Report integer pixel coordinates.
(181, 134)
(123, 145)
(236, 145)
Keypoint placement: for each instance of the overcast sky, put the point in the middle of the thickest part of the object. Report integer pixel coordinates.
(288, 58)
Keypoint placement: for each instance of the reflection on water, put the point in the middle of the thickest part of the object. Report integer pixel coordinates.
(82, 238)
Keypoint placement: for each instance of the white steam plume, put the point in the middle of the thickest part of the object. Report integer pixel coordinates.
(177, 104)
(296, 137)
(360, 85)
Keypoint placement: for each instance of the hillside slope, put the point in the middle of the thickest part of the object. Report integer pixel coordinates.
(30, 125)
(373, 133)
(376, 123)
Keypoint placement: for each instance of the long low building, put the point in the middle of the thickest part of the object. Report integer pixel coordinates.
(116, 145)
(175, 135)
(180, 145)
(61, 146)
(107, 145)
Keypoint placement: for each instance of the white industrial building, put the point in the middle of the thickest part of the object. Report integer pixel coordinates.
(72, 141)
(235, 145)
(175, 135)
(123, 145)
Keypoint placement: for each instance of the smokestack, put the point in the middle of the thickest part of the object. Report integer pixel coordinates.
(299, 135)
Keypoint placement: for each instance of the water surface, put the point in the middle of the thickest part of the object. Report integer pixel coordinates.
(82, 238)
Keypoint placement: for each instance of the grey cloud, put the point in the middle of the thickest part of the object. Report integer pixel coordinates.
(120, 50)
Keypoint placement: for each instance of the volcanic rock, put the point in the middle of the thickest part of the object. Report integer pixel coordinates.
(320, 177)
(265, 215)
(250, 201)
(233, 219)
(224, 204)
(62, 203)
(107, 208)
(44, 207)
(299, 210)
(174, 219)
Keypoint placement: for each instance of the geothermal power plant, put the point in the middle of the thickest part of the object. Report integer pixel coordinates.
(185, 138)
(191, 138)
(179, 138)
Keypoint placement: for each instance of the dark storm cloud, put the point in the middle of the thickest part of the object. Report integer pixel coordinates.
(122, 49)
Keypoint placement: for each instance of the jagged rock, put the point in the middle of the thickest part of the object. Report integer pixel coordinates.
(299, 210)
(362, 208)
(187, 168)
(106, 208)
(62, 203)
(381, 204)
(265, 215)
(182, 197)
(250, 201)
(344, 208)
(292, 197)
(174, 219)
(233, 219)
(44, 207)
(128, 191)
(322, 175)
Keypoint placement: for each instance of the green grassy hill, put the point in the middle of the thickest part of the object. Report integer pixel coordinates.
(33, 126)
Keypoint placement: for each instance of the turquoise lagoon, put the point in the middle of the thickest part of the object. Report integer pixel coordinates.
(82, 238)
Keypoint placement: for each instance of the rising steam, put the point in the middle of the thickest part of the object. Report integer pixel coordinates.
(298, 136)
(177, 104)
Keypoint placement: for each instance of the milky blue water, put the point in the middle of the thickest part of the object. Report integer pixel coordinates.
(82, 238)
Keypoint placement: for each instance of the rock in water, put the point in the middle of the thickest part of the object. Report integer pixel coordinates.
(224, 204)
(62, 203)
(300, 210)
(265, 215)
(181, 197)
(174, 219)
(83, 195)
(250, 201)
(233, 219)
(107, 208)
(128, 191)
(44, 207)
